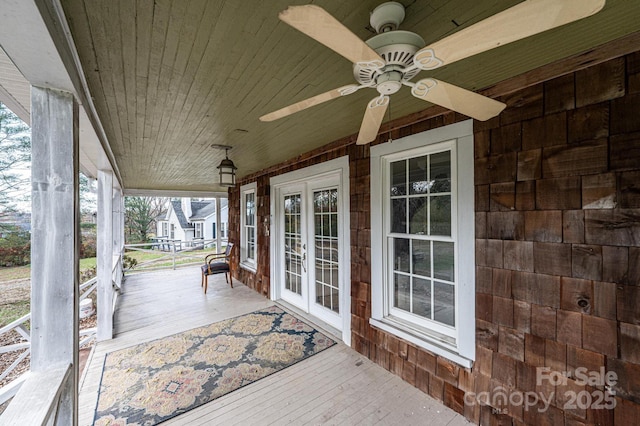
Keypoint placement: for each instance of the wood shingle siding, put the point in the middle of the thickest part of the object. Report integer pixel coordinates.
(557, 255)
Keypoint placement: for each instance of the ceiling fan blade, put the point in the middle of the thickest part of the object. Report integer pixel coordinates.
(523, 20)
(318, 99)
(318, 24)
(372, 120)
(457, 99)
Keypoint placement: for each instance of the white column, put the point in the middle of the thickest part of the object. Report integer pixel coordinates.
(218, 225)
(117, 232)
(55, 234)
(105, 255)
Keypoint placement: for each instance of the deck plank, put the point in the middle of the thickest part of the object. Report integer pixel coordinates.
(336, 386)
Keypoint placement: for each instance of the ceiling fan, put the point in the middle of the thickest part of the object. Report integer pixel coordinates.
(390, 59)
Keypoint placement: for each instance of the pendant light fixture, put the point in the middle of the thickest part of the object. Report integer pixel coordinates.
(227, 168)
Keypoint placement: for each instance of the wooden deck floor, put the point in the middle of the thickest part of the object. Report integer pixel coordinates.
(337, 386)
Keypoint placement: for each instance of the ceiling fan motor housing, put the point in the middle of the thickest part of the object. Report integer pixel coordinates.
(397, 49)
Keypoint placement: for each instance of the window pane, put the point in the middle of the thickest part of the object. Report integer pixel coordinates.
(441, 215)
(443, 261)
(441, 172)
(399, 216)
(418, 215)
(401, 254)
(422, 258)
(250, 209)
(399, 178)
(335, 300)
(444, 300)
(418, 183)
(401, 292)
(325, 225)
(422, 297)
(333, 200)
(334, 225)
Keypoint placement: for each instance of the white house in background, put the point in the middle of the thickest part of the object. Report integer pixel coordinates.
(187, 220)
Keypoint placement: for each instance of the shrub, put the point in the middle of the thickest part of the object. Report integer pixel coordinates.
(15, 249)
(87, 246)
(128, 262)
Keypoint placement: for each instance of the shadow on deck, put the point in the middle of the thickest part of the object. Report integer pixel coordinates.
(337, 386)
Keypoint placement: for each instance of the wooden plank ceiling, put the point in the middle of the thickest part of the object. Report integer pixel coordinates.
(171, 77)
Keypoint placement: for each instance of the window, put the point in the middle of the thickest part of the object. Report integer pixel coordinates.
(223, 230)
(248, 222)
(421, 290)
(173, 232)
(198, 230)
(165, 229)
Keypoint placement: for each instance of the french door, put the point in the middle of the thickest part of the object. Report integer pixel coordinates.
(310, 246)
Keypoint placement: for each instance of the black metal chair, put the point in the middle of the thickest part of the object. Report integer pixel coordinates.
(217, 263)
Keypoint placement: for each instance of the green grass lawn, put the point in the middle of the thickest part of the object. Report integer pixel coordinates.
(13, 311)
(21, 272)
(15, 273)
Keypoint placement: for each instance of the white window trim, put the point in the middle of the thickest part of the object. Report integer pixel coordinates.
(463, 350)
(248, 264)
(197, 232)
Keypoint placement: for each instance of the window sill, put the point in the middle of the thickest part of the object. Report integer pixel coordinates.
(423, 341)
(249, 267)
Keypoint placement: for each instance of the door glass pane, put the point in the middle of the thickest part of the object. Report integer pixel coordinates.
(293, 243)
(326, 249)
(422, 297)
(444, 300)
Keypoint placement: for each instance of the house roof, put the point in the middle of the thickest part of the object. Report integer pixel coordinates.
(200, 210)
(203, 209)
(177, 208)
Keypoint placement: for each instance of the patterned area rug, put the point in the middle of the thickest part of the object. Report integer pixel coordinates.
(149, 383)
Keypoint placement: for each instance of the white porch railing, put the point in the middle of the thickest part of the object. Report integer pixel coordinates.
(20, 326)
(44, 391)
(174, 251)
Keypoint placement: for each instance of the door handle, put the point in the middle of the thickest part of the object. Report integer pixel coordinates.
(304, 261)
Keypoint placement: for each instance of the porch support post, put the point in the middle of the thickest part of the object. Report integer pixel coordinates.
(55, 234)
(105, 255)
(117, 233)
(218, 225)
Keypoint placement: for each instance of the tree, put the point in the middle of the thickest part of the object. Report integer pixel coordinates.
(88, 198)
(15, 158)
(141, 214)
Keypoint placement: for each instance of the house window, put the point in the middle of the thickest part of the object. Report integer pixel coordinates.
(173, 232)
(423, 282)
(223, 230)
(248, 234)
(165, 229)
(198, 230)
